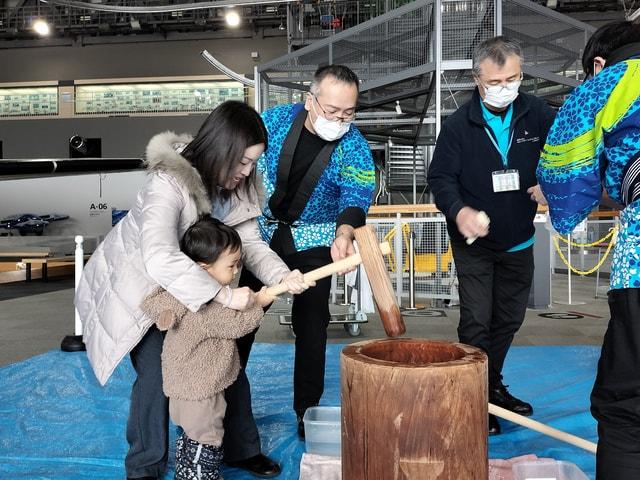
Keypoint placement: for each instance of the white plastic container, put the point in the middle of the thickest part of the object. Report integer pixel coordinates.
(549, 470)
(322, 430)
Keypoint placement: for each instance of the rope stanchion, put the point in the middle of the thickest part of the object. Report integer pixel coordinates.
(74, 343)
(611, 236)
(412, 275)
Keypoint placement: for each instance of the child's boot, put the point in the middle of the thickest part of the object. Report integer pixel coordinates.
(197, 461)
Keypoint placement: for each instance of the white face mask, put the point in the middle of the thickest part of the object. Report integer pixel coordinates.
(329, 130)
(501, 96)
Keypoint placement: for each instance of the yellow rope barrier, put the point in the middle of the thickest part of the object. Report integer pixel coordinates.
(593, 244)
(610, 236)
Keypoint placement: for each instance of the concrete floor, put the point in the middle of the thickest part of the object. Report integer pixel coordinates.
(35, 317)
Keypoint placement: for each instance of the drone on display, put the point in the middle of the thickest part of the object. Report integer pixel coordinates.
(27, 223)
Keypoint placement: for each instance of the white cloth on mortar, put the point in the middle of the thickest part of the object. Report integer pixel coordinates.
(320, 467)
(366, 296)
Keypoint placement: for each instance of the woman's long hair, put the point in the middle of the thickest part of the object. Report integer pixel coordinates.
(227, 132)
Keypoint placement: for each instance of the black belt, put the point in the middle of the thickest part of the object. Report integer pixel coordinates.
(630, 188)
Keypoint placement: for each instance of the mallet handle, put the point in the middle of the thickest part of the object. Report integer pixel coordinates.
(328, 270)
(542, 428)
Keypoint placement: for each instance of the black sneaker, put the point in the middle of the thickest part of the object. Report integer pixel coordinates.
(259, 466)
(501, 397)
(494, 425)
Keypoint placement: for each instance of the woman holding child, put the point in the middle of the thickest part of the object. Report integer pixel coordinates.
(209, 175)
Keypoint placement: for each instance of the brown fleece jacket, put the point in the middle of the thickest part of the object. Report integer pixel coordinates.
(199, 355)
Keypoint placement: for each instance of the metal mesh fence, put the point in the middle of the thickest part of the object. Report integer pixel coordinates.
(549, 40)
(434, 269)
(377, 50)
(318, 20)
(276, 95)
(383, 50)
(464, 25)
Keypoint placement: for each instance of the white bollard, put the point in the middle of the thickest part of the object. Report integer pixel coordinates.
(74, 343)
(79, 252)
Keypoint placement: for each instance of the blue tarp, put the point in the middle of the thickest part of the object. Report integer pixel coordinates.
(56, 422)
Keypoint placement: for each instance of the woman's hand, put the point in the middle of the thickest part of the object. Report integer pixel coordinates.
(295, 283)
(242, 298)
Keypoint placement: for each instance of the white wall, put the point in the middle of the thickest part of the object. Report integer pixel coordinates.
(70, 195)
(129, 60)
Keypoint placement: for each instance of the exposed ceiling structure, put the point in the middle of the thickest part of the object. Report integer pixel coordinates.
(68, 20)
(164, 19)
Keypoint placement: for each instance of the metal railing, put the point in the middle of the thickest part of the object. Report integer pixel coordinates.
(401, 45)
(434, 269)
(383, 50)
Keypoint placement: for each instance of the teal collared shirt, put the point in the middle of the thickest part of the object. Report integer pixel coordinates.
(501, 128)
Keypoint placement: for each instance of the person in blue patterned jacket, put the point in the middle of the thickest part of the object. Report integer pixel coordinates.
(595, 140)
(318, 179)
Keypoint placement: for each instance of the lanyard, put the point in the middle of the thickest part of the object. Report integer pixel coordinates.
(503, 155)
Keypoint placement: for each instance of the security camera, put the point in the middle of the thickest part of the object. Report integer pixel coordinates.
(78, 143)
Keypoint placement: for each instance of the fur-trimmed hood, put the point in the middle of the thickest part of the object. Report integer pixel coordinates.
(163, 155)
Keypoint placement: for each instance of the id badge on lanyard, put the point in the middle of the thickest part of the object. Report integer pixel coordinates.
(507, 180)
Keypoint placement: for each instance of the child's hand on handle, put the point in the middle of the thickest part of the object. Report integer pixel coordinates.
(242, 298)
(263, 298)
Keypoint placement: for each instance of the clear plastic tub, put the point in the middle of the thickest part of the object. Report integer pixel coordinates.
(322, 430)
(548, 470)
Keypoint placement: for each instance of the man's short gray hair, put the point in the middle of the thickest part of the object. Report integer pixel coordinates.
(496, 49)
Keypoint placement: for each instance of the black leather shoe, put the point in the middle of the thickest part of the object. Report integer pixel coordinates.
(501, 397)
(259, 466)
(300, 426)
(494, 425)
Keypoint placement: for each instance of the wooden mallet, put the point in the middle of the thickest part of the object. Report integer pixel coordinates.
(542, 428)
(371, 257)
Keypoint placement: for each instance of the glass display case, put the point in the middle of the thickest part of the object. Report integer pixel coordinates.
(156, 97)
(30, 101)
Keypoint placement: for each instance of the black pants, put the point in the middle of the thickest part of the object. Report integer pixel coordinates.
(148, 423)
(494, 291)
(310, 318)
(615, 399)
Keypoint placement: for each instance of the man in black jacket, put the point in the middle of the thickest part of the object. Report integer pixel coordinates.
(485, 161)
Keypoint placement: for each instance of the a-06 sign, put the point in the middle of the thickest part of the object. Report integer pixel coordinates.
(561, 315)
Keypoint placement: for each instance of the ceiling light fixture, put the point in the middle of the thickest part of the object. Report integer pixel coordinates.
(41, 27)
(232, 18)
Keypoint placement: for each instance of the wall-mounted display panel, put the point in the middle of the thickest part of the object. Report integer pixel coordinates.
(156, 97)
(26, 102)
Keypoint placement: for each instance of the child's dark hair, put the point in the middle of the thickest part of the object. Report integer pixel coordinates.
(206, 239)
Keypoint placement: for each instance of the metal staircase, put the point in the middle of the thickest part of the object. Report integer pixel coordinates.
(415, 66)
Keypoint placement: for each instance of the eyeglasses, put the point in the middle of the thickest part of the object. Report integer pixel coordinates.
(332, 117)
(498, 83)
